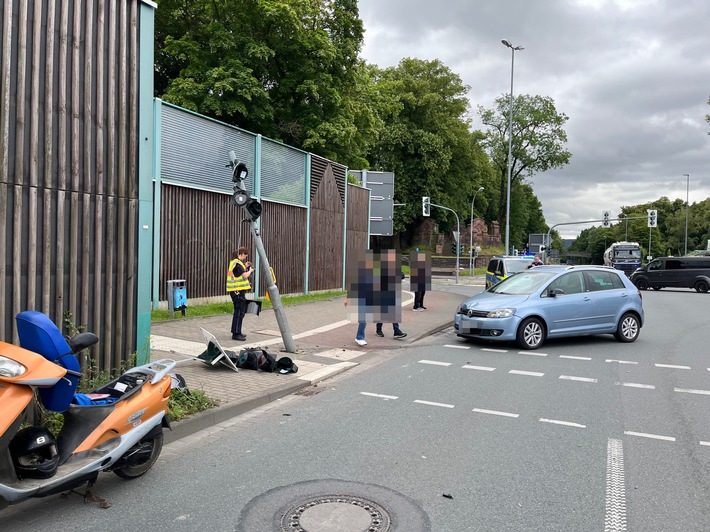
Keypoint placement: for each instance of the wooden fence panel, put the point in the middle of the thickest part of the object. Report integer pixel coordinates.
(68, 167)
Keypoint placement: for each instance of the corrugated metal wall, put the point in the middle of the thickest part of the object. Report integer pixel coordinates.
(68, 166)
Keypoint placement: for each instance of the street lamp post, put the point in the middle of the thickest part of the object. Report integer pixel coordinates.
(470, 247)
(687, 206)
(510, 145)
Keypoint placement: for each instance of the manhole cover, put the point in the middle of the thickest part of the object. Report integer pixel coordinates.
(336, 513)
(331, 505)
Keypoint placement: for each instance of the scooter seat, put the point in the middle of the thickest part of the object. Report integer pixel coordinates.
(39, 334)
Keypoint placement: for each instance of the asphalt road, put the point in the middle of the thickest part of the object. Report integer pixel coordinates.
(582, 435)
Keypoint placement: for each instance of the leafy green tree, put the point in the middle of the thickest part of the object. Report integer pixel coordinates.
(537, 146)
(427, 142)
(288, 69)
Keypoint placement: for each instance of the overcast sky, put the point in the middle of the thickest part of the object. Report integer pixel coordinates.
(633, 76)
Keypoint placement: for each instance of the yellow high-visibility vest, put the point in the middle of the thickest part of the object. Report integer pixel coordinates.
(237, 283)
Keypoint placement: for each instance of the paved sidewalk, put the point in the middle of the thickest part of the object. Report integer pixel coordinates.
(325, 346)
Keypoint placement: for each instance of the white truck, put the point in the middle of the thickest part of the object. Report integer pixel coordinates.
(624, 256)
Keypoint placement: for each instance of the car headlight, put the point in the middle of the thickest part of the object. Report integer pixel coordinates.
(10, 368)
(502, 313)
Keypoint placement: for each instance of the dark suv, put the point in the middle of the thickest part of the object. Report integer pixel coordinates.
(674, 272)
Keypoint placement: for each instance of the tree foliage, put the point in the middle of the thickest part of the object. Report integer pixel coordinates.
(538, 140)
(288, 69)
(668, 238)
(427, 142)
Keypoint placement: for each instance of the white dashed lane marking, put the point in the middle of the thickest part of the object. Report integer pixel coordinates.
(526, 373)
(579, 379)
(652, 436)
(621, 361)
(705, 443)
(532, 354)
(457, 346)
(442, 405)
(478, 368)
(575, 358)
(699, 392)
(671, 366)
(494, 412)
(380, 396)
(565, 423)
(636, 385)
(490, 350)
(434, 363)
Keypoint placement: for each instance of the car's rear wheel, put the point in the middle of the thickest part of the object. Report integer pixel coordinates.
(531, 333)
(642, 284)
(701, 286)
(628, 329)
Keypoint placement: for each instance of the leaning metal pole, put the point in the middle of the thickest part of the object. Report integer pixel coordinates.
(273, 292)
(271, 287)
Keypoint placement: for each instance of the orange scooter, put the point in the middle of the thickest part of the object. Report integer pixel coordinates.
(117, 427)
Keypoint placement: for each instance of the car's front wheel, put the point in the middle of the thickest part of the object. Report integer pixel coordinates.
(628, 329)
(531, 333)
(642, 284)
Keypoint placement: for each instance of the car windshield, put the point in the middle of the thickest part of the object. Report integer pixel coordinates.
(628, 254)
(524, 283)
(516, 266)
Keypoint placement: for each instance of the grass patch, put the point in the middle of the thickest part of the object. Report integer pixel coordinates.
(183, 403)
(226, 307)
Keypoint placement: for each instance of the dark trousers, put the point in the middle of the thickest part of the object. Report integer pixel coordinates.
(239, 311)
(419, 298)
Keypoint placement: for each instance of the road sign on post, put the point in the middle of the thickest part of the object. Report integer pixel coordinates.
(426, 206)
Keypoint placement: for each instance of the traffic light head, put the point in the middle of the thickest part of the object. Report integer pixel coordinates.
(652, 218)
(426, 206)
(240, 172)
(606, 217)
(253, 208)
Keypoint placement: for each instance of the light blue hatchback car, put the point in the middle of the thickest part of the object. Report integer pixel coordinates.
(554, 302)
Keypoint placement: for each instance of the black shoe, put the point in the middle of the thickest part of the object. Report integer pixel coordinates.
(239, 337)
(399, 335)
(423, 307)
(379, 332)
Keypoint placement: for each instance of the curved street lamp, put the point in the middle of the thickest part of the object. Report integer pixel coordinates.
(470, 247)
(513, 49)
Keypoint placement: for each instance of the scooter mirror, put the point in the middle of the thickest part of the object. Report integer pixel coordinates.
(82, 340)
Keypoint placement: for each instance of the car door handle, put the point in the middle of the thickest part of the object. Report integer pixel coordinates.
(587, 298)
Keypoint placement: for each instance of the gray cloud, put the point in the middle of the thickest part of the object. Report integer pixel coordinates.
(632, 75)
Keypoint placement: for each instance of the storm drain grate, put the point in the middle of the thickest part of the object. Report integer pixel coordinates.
(338, 506)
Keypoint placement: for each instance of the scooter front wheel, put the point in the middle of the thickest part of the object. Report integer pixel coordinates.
(141, 457)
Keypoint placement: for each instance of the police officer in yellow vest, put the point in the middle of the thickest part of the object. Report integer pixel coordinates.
(237, 287)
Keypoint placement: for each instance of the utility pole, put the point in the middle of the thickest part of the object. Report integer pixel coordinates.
(252, 208)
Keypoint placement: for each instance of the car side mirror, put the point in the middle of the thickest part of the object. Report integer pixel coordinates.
(556, 292)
